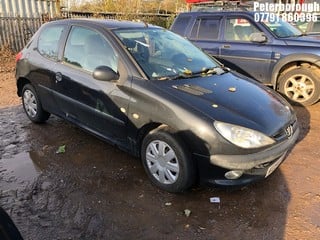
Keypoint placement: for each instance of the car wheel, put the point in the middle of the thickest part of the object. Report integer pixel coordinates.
(32, 105)
(167, 161)
(8, 230)
(300, 85)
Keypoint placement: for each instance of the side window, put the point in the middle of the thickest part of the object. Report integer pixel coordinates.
(88, 49)
(239, 29)
(206, 28)
(195, 29)
(316, 27)
(48, 43)
(180, 24)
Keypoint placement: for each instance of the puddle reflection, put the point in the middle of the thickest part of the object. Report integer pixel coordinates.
(19, 171)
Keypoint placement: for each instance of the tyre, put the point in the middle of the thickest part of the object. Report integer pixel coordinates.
(300, 85)
(32, 105)
(167, 162)
(8, 229)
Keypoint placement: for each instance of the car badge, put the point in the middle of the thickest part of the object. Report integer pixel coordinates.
(289, 131)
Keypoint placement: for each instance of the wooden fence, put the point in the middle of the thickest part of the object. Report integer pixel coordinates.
(16, 31)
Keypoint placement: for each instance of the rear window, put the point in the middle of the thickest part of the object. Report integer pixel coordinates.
(180, 24)
(48, 42)
(206, 28)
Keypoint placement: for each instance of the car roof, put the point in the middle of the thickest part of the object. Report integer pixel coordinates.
(107, 23)
(223, 12)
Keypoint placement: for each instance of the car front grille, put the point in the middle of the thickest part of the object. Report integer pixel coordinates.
(286, 132)
(265, 165)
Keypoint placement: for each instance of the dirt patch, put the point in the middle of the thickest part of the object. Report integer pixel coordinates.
(8, 90)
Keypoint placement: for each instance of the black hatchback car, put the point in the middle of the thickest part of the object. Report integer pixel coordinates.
(157, 96)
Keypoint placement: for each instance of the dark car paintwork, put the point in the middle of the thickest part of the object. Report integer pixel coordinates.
(124, 110)
(8, 230)
(262, 61)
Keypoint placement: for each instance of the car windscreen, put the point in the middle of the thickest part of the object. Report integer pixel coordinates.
(163, 54)
(282, 29)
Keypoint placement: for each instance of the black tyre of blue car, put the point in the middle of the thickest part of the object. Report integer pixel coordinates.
(166, 161)
(32, 105)
(300, 85)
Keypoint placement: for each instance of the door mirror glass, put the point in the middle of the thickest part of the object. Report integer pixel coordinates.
(105, 73)
(258, 37)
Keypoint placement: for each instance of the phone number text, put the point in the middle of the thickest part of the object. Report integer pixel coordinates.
(287, 17)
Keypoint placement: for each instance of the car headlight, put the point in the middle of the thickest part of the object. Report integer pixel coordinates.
(241, 136)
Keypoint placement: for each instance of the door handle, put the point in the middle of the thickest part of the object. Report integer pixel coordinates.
(58, 77)
(226, 46)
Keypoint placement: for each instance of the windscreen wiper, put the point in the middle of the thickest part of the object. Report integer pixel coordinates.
(174, 77)
(185, 75)
(206, 71)
(212, 71)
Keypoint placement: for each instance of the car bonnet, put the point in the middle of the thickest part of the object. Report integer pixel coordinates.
(231, 99)
(306, 41)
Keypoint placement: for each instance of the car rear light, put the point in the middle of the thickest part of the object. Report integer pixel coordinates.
(18, 56)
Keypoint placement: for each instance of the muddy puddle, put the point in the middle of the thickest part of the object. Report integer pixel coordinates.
(95, 191)
(18, 172)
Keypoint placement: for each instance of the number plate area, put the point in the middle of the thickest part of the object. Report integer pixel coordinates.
(275, 165)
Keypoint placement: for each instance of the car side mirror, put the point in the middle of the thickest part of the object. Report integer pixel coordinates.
(105, 73)
(258, 37)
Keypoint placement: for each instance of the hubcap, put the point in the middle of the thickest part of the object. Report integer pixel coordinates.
(30, 103)
(162, 162)
(299, 88)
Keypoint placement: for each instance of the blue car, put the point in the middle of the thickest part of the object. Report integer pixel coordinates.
(274, 53)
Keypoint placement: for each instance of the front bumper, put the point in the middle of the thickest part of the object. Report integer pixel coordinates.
(254, 167)
(249, 161)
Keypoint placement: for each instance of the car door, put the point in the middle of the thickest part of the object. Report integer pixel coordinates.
(238, 52)
(93, 104)
(43, 57)
(205, 33)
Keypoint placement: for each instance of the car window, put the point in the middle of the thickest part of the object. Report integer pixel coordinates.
(48, 43)
(239, 29)
(88, 49)
(206, 28)
(316, 27)
(162, 54)
(180, 24)
(282, 29)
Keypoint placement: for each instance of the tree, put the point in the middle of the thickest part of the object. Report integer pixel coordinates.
(125, 6)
